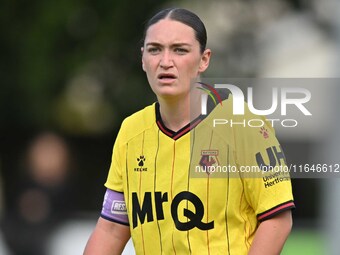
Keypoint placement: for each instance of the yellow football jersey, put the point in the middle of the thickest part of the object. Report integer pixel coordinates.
(193, 191)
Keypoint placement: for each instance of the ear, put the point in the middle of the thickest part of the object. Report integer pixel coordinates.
(142, 51)
(205, 59)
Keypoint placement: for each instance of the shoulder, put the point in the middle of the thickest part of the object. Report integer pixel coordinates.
(234, 116)
(138, 122)
(143, 117)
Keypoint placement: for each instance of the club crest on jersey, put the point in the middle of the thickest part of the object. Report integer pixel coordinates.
(141, 161)
(209, 160)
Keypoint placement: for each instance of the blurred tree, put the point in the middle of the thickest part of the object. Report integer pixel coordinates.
(45, 44)
(71, 67)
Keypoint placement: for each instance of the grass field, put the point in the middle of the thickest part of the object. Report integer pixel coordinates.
(305, 242)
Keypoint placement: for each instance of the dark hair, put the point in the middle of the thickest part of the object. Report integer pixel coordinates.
(184, 16)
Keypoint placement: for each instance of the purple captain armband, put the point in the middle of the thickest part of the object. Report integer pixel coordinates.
(114, 208)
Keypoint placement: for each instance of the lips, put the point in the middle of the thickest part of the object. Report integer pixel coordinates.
(166, 76)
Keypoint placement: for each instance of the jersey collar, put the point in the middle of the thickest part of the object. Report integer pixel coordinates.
(178, 134)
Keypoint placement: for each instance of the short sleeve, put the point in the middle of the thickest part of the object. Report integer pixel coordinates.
(268, 191)
(115, 177)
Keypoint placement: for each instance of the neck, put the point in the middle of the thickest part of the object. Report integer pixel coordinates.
(176, 113)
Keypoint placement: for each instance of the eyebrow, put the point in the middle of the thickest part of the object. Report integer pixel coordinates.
(172, 45)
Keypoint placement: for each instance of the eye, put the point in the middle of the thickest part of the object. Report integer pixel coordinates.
(181, 51)
(153, 50)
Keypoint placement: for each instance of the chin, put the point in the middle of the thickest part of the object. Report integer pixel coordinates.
(165, 90)
(167, 95)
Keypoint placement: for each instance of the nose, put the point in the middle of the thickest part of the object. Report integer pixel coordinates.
(166, 60)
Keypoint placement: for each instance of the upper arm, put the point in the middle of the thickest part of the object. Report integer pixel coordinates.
(112, 231)
(272, 234)
(108, 238)
(117, 231)
(283, 220)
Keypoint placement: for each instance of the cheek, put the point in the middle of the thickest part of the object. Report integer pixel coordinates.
(191, 67)
(148, 65)
(149, 70)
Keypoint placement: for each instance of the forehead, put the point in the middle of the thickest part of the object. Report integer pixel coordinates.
(170, 31)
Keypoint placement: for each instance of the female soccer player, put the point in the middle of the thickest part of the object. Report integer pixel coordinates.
(156, 191)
